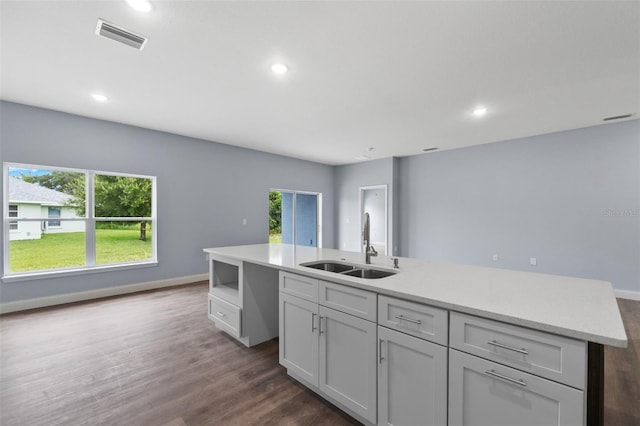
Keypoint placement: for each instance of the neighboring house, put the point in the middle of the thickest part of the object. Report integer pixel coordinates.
(28, 200)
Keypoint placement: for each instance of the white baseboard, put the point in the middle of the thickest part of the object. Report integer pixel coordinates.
(627, 294)
(41, 302)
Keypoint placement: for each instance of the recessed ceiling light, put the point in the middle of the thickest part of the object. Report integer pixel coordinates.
(140, 5)
(99, 98)
(279, 68)
(480, 111)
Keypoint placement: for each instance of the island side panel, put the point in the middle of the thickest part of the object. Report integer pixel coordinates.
(260, 303)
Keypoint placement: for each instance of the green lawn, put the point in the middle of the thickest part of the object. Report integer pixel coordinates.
(67, 249)
(275, 238)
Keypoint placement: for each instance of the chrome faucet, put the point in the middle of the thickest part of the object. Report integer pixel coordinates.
(366, 235)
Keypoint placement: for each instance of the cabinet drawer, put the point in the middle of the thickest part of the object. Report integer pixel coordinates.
(226, 315)
(299, 286)
(350, 300)
(482, 392)
(423, 321)
(555, 357)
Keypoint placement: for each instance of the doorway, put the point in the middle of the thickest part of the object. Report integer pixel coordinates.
(295, 217)
(373, 200)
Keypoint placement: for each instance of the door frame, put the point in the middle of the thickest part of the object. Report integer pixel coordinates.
(386, 215)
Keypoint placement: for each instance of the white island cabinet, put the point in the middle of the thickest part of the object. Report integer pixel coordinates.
(330, 350)
(482, 392)
(433, 344)
(505, 375)
(412, 371)
(243, 299)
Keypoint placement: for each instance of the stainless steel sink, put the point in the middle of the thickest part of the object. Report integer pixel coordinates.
(368, 273)
(348, 269)
(329, 266)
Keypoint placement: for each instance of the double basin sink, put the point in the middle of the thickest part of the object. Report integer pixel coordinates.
(348, 269)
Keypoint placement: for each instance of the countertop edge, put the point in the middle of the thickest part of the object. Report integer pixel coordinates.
(620, 342)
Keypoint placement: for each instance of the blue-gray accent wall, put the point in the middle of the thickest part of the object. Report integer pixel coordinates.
(205, 189)
(569, 199)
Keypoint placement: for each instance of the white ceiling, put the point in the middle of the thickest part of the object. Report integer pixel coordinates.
(395, 76)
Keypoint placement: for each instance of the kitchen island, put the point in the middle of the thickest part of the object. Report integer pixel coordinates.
(564, 320)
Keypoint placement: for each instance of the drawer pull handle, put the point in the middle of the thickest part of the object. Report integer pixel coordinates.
(522, 351)
(508, 379)
(403, 318)
(221, 314)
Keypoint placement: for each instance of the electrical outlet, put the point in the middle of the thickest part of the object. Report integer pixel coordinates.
(495, 257)
(244, 221)
(533, 261)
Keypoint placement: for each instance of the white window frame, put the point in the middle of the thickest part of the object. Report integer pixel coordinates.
(89, 220)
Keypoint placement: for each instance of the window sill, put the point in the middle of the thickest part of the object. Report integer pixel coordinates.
(30, 276)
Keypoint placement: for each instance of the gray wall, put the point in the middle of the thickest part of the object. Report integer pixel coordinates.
(204, 188)
(348, 180)
(569, 199)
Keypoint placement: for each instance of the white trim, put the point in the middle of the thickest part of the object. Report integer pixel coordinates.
(60, 299)
(627, 294)
(71, 271)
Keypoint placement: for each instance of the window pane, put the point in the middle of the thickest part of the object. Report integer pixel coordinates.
(13, 212)
(287, 218)
(128, 241)
(293, 225)
(306, 219)
(122, 196)
(34, 190)
(34, 247)
(53, 212)
(275, 217)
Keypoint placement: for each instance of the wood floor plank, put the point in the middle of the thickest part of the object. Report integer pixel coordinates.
(151, 358)
(154, 358)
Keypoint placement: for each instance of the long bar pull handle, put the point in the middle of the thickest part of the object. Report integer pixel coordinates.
(221, 314)
(319, 324)
(508, 379)
(522, 351)
(380, 357)
(313, 323)
(403, 318)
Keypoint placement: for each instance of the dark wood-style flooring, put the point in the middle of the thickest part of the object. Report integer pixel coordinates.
(154, 358)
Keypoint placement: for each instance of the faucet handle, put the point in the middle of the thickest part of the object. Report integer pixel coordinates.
(373, 251)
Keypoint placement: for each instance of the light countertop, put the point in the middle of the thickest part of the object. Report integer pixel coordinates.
(573, 307)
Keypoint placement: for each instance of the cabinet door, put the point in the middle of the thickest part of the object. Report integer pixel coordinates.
(412, 385)
(482, 392)
(348, 361)
(299, 337)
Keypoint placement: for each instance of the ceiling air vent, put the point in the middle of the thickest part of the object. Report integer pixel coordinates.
(119, 34)
(617, 117)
